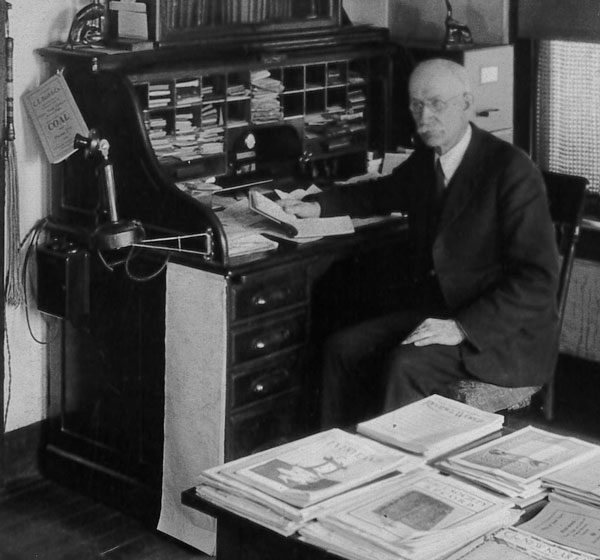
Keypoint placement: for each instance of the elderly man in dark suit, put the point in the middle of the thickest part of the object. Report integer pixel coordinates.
(484, 257)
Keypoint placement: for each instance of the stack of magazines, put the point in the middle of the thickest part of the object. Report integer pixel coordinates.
(515, 464)
(432, 426)
(512, 543)
(422, 515)
(284, 487)
(579, 482)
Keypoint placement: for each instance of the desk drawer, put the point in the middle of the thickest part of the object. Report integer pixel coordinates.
(266, 338)
(275, 422)
(269, 292)
(270, 378)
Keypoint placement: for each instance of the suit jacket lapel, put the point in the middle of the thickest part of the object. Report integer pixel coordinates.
(464, 183)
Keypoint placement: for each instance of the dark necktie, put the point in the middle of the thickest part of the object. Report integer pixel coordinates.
(440, 187)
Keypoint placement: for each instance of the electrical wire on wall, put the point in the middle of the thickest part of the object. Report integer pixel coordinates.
(13, 293)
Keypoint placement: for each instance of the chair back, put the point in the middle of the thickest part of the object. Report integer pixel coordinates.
(566, 197)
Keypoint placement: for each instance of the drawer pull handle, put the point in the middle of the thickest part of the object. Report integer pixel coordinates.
(270, 383)
(275, 338)
(486, 112)
(258, 388)
(260, 300)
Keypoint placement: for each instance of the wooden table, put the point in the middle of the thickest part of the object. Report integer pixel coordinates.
(239, 538)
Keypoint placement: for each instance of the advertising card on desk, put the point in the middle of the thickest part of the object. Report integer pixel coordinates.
(56, 117)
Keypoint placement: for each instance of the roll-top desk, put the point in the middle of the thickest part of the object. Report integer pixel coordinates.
(222, 348)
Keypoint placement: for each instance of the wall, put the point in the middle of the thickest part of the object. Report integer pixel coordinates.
(423, 20)
(33, 24)
(374, 12)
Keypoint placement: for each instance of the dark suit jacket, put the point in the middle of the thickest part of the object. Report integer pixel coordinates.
(493, 251)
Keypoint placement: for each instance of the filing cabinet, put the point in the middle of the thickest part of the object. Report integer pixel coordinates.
(491, 72)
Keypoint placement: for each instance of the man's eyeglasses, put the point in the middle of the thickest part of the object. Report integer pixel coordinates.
(435, 104)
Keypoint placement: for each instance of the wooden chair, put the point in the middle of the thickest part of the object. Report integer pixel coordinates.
(566, 196)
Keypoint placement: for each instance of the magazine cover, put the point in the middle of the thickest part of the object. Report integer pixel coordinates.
(320, 466)
(423, 507)
(524, 456)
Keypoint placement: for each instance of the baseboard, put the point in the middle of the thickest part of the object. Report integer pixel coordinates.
(21, 454)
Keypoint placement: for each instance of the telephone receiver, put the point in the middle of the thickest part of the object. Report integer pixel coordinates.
(83, 31)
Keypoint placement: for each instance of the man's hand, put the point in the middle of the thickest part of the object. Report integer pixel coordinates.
(436, 331)
(301, 209)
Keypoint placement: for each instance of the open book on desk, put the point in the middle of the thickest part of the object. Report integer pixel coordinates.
(298, 227)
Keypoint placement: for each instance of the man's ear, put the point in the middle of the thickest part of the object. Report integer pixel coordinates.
(468, 99)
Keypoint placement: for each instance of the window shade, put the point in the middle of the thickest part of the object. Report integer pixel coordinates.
(568, 109)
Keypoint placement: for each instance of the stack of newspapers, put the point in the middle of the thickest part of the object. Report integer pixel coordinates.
(422, 515)
(284, 487)
(515, 464)
(432, 426)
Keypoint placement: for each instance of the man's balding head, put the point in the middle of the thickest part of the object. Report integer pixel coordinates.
(440, 102)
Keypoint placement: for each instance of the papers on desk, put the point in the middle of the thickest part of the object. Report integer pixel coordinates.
(299, 227)
(515, 464)
(422, 515)
(432, 426)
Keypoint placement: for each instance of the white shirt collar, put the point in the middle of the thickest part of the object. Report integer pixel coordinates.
(452, 158)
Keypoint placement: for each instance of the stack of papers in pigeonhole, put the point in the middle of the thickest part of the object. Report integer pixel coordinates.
(515, 464)
(284, 487)
(580, 482)
(422, 515)
(432, 426)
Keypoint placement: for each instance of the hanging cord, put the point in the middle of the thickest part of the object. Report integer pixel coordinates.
(147, 278)
(32, 242)
(14, 295)
(32, 238)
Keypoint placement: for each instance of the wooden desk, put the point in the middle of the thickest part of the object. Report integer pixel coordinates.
(105, 436)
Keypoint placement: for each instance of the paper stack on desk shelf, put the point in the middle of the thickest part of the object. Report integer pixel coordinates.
(422, 515)
(432, 426)
(515, 464)
(284, 487)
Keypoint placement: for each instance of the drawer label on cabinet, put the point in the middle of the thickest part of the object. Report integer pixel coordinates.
(488, 75)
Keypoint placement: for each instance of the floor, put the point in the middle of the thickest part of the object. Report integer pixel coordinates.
(40, 520)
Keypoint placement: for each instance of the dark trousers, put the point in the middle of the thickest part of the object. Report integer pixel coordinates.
(367, 371)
